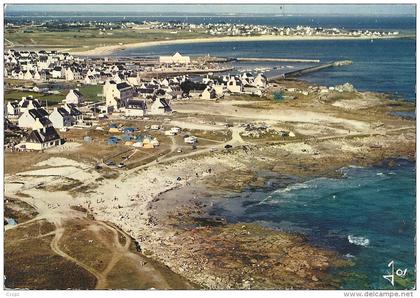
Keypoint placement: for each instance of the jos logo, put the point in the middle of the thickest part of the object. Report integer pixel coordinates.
(391, 276)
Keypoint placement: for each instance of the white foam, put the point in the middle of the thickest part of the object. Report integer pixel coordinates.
(292, 187)
(361, 241)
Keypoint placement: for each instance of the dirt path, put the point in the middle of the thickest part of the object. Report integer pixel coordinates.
(56, 248)
(119, 252)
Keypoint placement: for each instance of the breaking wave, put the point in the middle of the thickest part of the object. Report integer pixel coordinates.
(361, 241)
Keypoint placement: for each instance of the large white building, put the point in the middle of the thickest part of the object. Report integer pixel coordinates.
(117, 94)
(175, 59)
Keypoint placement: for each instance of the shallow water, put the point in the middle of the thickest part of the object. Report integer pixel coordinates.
(367, 216)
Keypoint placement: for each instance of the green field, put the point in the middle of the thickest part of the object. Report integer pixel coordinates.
(88, 38)
(89, 92)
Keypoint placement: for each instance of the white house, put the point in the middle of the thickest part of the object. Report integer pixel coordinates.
(28, 103)
(135, 108)
(73, 111)
(34, 119)
(13, 108)
(43, 138)
(92, 79)
(209, 93)
(234, 85)
(37, 75)
(69, 74)
(57, 72)
(74, 97)
(28, 75)
(117, 94)
(159, 107)
(61, 118)
(261, 81)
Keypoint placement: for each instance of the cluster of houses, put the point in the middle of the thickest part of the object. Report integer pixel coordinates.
(53, 65)
(216, 87)
(41, 65)
(32, 116)
(134, 101)
(233, 29)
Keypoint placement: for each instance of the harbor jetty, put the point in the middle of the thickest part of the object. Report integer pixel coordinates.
(295, 60)
(303, 71)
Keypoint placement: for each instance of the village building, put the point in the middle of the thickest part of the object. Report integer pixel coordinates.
(73, 111)
(117, 94)
(74, 97)
(135, 108)
(34, 119)
(57, 72)
(28, 103)
(234, 85)
(43, 138)
(61, 118)
(160, 107)
(261, 81)
(28, 75)
(12, 108)
(69, 74)
(209, 93)
(177, 58)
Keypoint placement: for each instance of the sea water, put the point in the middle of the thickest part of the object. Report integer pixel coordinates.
(367, 216)
(378, 65)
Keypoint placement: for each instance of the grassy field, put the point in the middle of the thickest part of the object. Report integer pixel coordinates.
(30, 263)
(90, 93)
(52, 99)
(85, 39)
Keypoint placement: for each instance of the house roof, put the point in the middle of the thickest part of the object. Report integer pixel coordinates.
(161, 103)
(13, 104)
(76, 92)
(63, 112)
(73, 110)
(45, 135)
(122, 86)
(135, 104)
(38, 113)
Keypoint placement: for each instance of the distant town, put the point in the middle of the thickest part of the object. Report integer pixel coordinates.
(212, 29)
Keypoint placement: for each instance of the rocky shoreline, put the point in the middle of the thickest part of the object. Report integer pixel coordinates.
(215, 254)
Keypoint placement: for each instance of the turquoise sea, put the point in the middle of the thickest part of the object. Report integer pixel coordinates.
(367, 216)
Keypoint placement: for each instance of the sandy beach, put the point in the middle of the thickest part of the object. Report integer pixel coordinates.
(108, 50)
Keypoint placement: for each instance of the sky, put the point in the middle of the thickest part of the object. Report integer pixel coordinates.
(292, 9)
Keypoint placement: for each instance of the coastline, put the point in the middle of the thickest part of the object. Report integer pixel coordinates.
(135, 200)
(108, 50)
